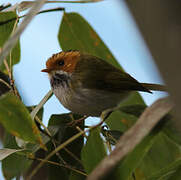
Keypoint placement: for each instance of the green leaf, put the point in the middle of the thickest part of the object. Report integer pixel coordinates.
(171, 131)
(7, 152)
(169, 171)
(7, 23)
(134, 109)
(176, 175)
(76, 33)
(16, 119)
(15, 164)
(65, 132)
(94, 150)
(129, 164)
(163, 153)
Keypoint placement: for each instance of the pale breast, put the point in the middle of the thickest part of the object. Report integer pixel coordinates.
(90, 102)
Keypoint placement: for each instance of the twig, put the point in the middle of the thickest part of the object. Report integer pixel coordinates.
(57, 164)
(42, 102)
(45, 11)
(14, 38)
(83, 1)
(54, 152)
(47, 132)
(58, 149)
(132, 137)
(80, 130)
(73, 156)
(41, 123)
(2, 7)
(1, 80)
(10, 60)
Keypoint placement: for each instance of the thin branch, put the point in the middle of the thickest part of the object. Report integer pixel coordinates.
(2, 7)
(45, 11)
(39, 106)
(73, 156)
(57, 164)
(83, 1)
(132, 137)
(51, 138)
(24, 5)
(1, 80)
(61, 146)
(54, 152)
(14, 38)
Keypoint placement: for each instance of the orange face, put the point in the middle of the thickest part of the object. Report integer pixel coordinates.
(65, 61)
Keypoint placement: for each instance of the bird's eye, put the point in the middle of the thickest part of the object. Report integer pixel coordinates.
(60, 63)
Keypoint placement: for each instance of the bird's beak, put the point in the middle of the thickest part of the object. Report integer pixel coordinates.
(46, 70)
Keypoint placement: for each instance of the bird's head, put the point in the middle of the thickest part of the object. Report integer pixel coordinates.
(62, 62)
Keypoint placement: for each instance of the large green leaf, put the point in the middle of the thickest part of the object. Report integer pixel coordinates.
(94, 150)
(16, 119)
(168, 172)
(76, 33)
(7, 23)
(163, 153)
(129, 164)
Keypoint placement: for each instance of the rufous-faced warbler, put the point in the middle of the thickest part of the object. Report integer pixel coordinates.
(88, 85)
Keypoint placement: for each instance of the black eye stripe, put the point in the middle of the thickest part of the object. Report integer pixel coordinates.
(60, 63)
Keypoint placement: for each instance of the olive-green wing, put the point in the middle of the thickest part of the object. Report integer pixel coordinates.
(95, 73)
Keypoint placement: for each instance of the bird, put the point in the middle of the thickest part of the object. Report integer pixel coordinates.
(88, 85)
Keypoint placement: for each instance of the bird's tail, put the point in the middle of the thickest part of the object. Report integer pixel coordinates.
(154, 87)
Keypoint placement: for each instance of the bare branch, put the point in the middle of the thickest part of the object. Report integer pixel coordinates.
(132, 137)
(15, 36)
(41, 103)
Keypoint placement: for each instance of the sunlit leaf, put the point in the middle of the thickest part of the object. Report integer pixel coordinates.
(76, 33)
(16, 119)
(6, 152)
